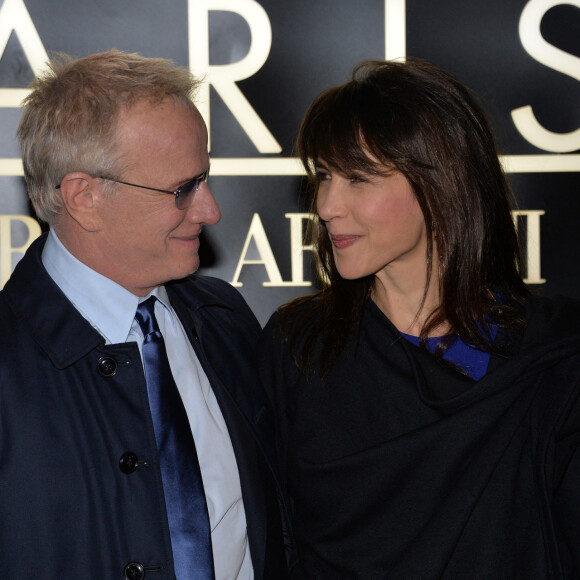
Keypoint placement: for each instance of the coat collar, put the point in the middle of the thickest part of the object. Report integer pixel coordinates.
(56, 325)
(66, 336)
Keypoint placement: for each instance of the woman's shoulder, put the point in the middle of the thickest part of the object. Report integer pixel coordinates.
(298, 314)
(551, 319)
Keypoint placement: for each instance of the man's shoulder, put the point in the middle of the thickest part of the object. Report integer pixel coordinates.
(199, 291)
(214, 286)
(211, 297)
(10, 318)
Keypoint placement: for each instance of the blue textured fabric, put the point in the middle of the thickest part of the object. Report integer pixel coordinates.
(182, 482)
(474, 362)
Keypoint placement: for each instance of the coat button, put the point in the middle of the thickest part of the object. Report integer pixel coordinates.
(107, 366)
(128, 462)
(134, 571)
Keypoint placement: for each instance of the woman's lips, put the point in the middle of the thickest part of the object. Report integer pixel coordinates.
(343, 241)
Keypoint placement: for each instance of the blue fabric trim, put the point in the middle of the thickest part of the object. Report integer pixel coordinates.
(473, 361)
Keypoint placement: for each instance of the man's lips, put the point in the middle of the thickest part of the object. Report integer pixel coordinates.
(343, 241)
(187, 240)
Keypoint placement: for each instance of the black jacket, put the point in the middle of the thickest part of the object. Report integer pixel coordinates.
(399, 467)
(72, 503)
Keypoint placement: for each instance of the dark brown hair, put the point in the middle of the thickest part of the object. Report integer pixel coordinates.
(417, 119)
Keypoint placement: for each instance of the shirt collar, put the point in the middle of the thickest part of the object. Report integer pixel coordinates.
(109, 307)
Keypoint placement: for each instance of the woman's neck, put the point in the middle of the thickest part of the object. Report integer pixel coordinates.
(403, 300)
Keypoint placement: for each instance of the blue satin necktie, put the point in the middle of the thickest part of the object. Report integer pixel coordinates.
(182, 483)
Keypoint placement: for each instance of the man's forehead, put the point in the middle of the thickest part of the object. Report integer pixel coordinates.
(145, 106)
(146, 119)
(168, 137)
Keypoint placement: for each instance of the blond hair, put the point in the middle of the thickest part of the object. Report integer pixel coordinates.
(70, 118)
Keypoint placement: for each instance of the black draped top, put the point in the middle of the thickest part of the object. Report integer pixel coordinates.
(400, 467)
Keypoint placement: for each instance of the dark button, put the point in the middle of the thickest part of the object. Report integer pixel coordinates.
(128, 462)
(107, 366)
(134, 571)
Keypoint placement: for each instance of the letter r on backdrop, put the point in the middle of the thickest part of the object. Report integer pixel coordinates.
(6, 249)
(223, 77)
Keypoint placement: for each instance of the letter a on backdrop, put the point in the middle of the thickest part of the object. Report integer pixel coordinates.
(14, 16)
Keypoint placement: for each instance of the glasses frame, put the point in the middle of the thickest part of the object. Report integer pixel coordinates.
(183, 192)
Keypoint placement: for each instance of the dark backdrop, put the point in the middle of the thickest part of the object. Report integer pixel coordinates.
(512, 53)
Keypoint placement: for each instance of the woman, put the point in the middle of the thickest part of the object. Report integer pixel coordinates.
(428, 406)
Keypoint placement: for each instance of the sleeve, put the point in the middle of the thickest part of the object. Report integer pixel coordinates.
(566, 504)
(273, 360)
(233, 298)
(279, 374)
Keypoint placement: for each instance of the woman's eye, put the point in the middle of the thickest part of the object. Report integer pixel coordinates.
(357, 179)
(322, 175)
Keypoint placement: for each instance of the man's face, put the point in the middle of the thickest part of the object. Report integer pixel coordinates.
(145, 240)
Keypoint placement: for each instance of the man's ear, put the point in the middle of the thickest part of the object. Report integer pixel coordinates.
(79, 191)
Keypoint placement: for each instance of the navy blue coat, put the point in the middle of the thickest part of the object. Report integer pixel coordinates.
(80, 486)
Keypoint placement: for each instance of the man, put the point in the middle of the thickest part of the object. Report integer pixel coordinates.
(92, 456)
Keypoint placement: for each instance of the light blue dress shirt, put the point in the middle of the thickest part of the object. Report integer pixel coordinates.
(110, 309)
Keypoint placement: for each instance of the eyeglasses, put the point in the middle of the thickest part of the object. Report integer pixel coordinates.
(184, 194)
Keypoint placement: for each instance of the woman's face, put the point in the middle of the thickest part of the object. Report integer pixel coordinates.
(374, 223)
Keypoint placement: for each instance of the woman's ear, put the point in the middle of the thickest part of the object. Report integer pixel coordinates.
(78, 191)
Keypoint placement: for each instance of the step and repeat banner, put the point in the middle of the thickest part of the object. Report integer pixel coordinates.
(263, 63)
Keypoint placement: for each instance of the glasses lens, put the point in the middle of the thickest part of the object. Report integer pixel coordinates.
(185, 194)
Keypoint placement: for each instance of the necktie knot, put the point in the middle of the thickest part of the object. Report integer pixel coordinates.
(145, 316)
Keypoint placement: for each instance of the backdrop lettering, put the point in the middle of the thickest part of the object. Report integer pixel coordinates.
(263, 63)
